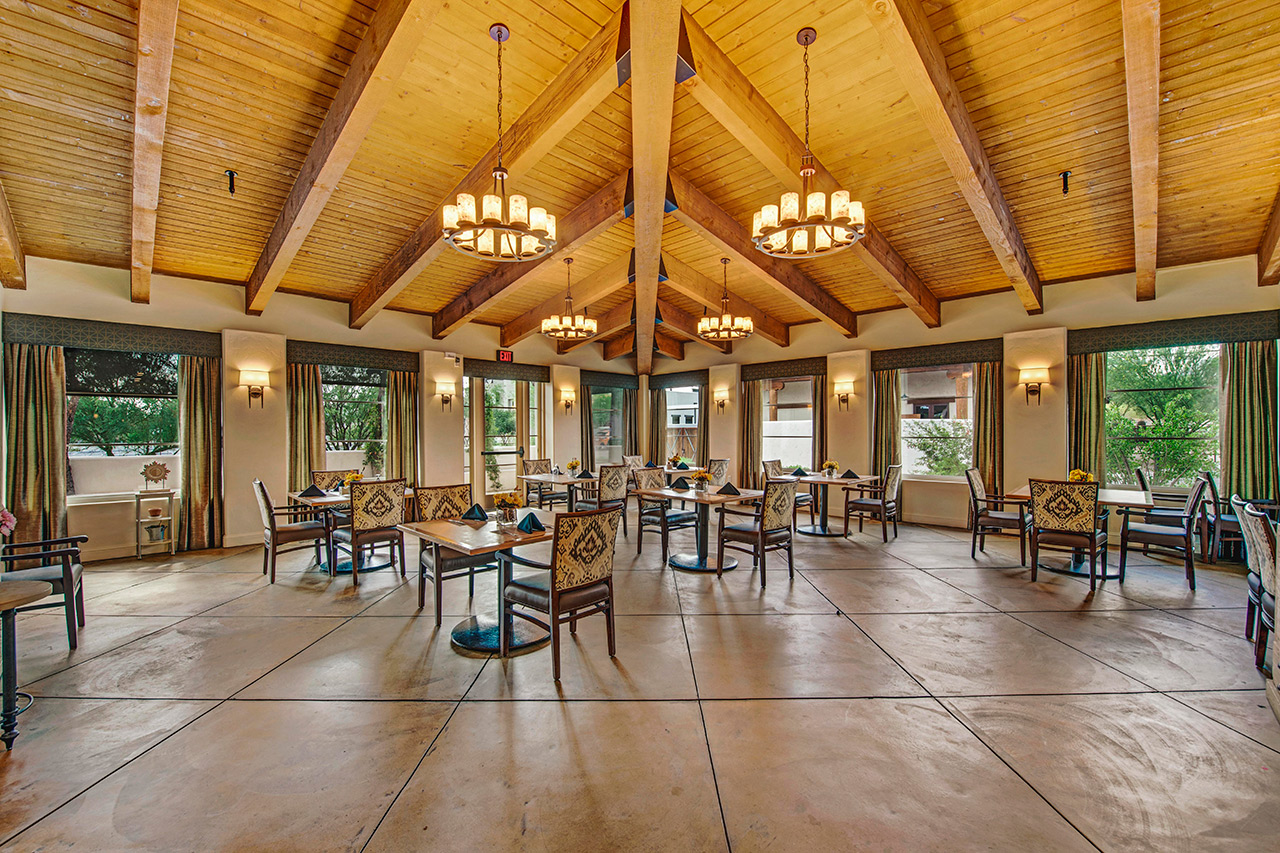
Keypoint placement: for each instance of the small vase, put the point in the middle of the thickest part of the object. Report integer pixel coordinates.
(699, 486)
(506, 516)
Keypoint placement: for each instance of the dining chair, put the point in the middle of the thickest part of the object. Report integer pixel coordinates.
(610, 492)
(1064, 514)
(578, 582)
(657, 515)
(60, 566)
(545, 495)
(877, 502)
(1171, 514)
(1260, 552)
(303, 527)
(773, 470)
(439, 561)
(1179, 538)
(1218, 525)
(377, 510)
(719, 471)
(769, 527)
(331, 481)
(987, 514)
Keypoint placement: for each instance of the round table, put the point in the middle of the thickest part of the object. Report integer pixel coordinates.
(14, 594)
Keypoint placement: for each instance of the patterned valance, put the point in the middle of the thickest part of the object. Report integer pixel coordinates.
(114, 337)
(1218, 329)
(482, 369)
(785, 369)
(313, 352)
(961, 352)
(601, 379)
(678, 380)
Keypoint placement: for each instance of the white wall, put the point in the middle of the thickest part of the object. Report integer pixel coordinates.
(441, 426)
(724, 438)
(565, 427)
(254, 438)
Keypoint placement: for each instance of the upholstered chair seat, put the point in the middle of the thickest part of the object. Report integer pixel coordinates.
(658, 516)
(879, 503)
(289, 525)
(767, 527)
(60, 567)
(1177, 537)
(377, 511)
(1065, 515)
(440, 562)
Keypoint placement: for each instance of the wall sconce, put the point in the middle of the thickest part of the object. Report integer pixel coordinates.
(568, 396)
(1033, 378)
(720, 396)
(446, 391)
(255, 381)
(843, 391)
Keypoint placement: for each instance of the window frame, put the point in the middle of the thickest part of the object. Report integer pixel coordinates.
(968, 369)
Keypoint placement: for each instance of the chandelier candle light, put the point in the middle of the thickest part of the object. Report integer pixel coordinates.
(726, 327)
(524, 233)
(780, 231)
(569, 326)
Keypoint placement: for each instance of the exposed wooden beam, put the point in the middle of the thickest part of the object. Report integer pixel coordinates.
(613, 320)
(1141, 22)
(685, 280)
(157, 27)
(580, 226)
(602, 283)
(667, 345)
(702, 216)
(1269, 249)
(13, 263)
(685, 325)
(655, 35)
(602, 66)
(726, 93)
(388, 44)
(914, 50)
(620, 346)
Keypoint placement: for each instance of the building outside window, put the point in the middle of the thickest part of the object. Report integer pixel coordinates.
(354, 417)
(682, 422)
(606, 425)
(788, 421)
(937, 420)
(466, 428)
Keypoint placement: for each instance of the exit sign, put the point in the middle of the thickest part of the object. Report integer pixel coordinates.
(506, 355)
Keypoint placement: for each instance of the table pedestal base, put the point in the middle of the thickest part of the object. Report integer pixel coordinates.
(480, 634)
(817, 530)
(691, 563)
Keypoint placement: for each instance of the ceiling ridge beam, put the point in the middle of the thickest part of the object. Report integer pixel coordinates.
(1269, 249)
(607, 207)
(673, 318)
(726, 93)
(600, 284)
(613, 320)
(599, 68)
(389, 44)
(913, 48)
(701, 215)
(13, 263)
(157, 30)
(1141, 22)
(620, 346)
(688, 282)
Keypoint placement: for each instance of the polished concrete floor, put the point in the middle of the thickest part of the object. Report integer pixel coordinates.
(890, 697)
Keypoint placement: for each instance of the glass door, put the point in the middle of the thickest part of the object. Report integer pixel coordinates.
(508, 418)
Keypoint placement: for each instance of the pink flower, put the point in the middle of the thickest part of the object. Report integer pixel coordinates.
(7, 522)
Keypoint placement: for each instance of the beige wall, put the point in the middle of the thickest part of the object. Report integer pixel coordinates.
(723, 440)
(254, 439)
(565, 427)
(441, 426)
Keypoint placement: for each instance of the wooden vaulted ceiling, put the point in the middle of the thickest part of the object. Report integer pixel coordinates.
(349, 124)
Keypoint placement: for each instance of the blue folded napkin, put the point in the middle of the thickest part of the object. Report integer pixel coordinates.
(530, 524)
(650, 464)
(728, 489)
(476, 513)
(799, 472)
(681, 484)
(312, 492)
(683, 466)
(849, 474)
(586, 475)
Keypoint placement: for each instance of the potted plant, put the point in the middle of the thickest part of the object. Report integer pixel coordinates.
(1079, 475)
(701, 479)
(573, 465)
(830, 467)
(507, 503)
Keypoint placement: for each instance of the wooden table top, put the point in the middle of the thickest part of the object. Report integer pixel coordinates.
(1106, 497)
(823, 480)
(17, 593)
(557, 479)
(695, 496)
(331, 498)
(479, 537)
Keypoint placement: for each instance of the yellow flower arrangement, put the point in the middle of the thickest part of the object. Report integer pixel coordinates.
(830, 465)
(701, 476)
(573, 464)
(508, 500)
(1079, 475)
(673, 460)
(352, 477)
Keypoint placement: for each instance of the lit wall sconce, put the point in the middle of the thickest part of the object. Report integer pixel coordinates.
(720, 396)
(568, 396)
(843, 391)
(1033, 378)
(255, 381)
(446, 391)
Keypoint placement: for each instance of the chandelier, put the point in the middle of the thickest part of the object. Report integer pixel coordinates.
(569, 326)
(524, 233)
(726, 327)
(779, 230)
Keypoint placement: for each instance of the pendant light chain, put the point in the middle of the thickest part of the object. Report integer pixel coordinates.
(500, 170)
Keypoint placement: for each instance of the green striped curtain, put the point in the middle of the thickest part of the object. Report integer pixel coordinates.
(1086, 403)
(988, 424)
(657, 426)
(630, 429)
(588, 430)
(704, 426)
(886, 441)
(1249, 442)
(306, 424)
(35, 393)
(200, 446)
(819, 393)
(751, 423)
(402, 426)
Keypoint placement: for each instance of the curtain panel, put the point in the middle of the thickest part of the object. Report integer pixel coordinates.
(988, 424)
(630, 422)
(704, 426)
(819, 421)
(886, 444)
(200, 449)
(306, 424)
(588, 430)
(1086, 405)
(657, 426)
(750, 471)
(1249, 466)
(402, 426)
(35, 385)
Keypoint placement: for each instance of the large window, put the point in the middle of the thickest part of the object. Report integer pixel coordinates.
(354, 417)
(122, 411)
(509, 424)
(606, 425)
(1162, 414)
(788, 421)
(937, 420)
(682, 422)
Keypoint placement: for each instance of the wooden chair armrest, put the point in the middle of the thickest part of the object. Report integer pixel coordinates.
(525, 561)
(72, 553)
(728, 511)
(44, 542)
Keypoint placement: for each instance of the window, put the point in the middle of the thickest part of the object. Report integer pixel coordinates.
(937, 420)
(788, 421)
(466, 429)
(1162, 414)
(119, 404)
(682, 422)
(606, 425)
(510, 424)
(354, 420)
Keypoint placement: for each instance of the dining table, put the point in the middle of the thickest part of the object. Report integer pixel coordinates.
(329, 503)
(13, 595)
(701, 561)
(824, 483)
(571, 482)
(1079, 563)
(483, 633)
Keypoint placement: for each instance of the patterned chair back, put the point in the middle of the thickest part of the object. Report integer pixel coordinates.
(1064, 506)
(1213, 502)
(537, 466)
(892, 483)
(1259, 542)
(330, 480)
(633, 462)
(613, 482)
(376, 504)
(778, 504)
(582, 553)
(435, 502)
(650, 478)
(773, 468)
(719, 471)
(264, 505)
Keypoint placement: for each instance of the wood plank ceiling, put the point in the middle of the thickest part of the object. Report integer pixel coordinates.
(950, 119)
